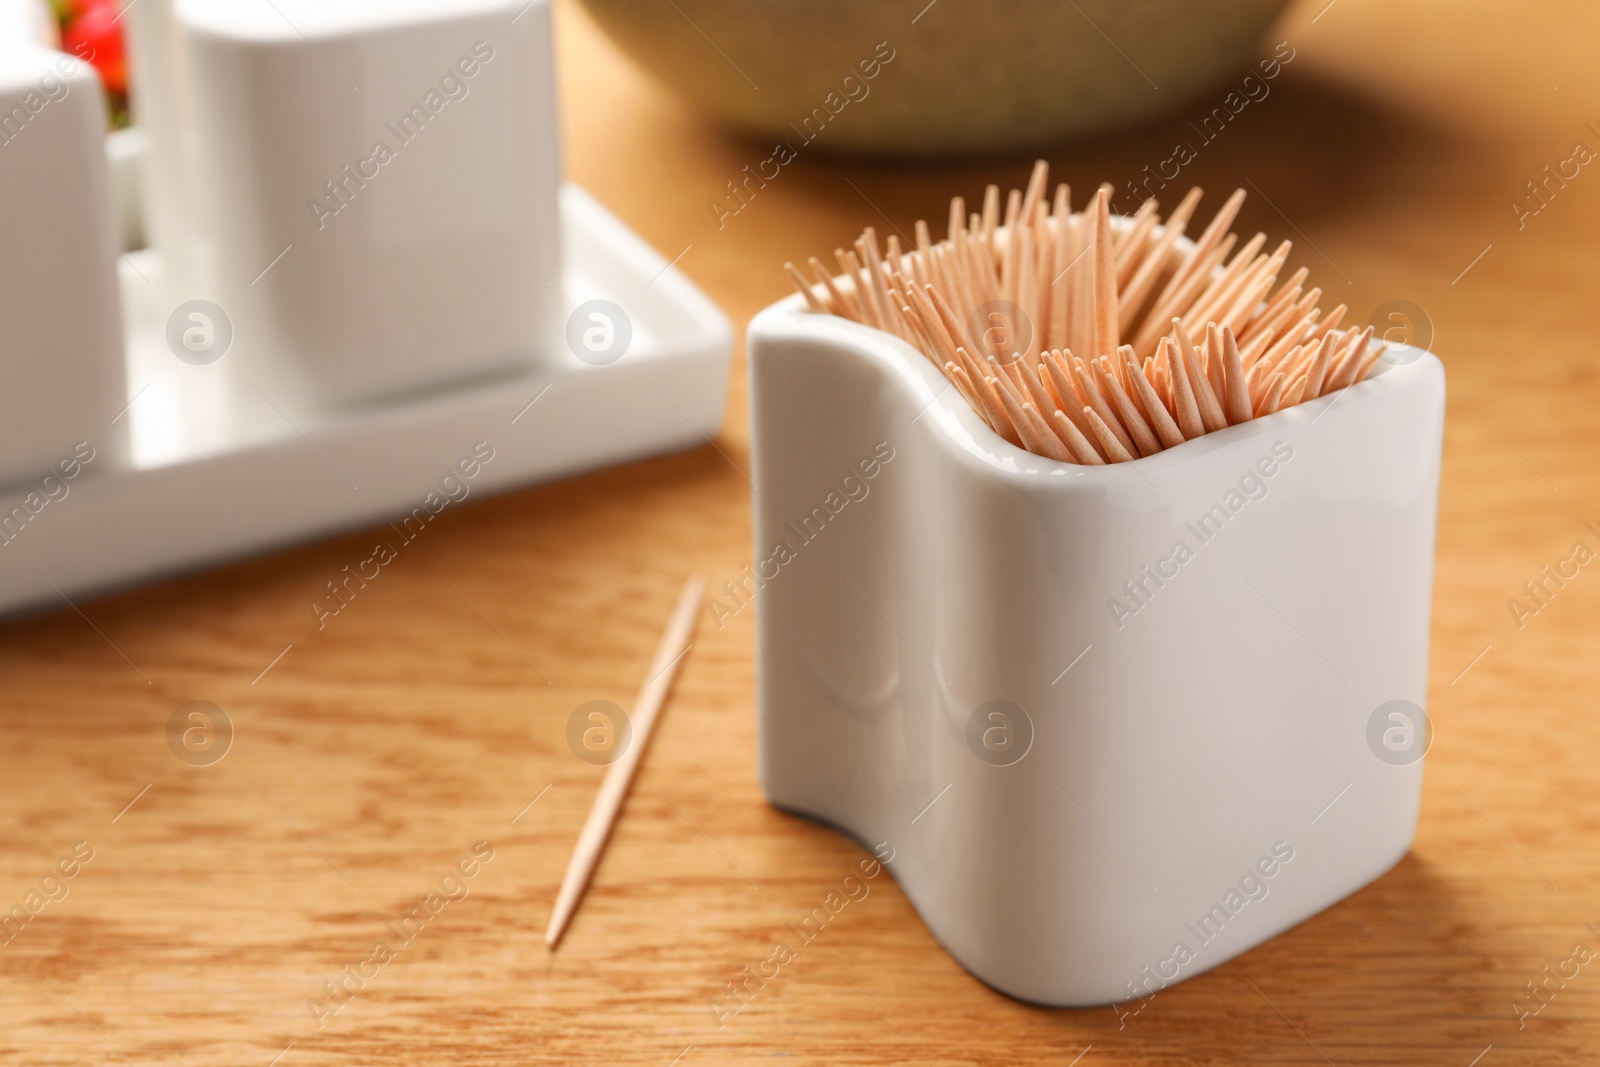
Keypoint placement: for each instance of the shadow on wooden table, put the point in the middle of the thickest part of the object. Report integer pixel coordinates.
(1387, 955)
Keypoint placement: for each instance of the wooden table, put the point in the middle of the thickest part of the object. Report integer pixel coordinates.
(431, 713)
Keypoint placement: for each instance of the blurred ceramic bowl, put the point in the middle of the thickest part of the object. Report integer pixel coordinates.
(950, 77)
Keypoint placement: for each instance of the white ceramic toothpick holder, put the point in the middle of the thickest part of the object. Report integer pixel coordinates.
(1107, 726)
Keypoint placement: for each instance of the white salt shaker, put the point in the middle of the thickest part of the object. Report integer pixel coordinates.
(377, 183)
(62, 381)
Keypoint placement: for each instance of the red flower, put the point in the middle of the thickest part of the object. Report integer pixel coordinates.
(95, 35)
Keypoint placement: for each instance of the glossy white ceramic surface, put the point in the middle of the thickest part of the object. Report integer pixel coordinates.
(459, 298)
(1213, 724)
(205, 485)
(376, 186)
(61, 374)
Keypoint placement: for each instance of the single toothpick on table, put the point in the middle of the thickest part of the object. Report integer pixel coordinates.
(614, 787)
(1093, 341)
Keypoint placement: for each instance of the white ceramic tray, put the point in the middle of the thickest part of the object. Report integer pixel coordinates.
(206, 482)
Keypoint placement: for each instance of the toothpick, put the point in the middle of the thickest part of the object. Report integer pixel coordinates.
(1350, 361)
(1155, 411)
(1233, 373)
(963, 383)
(1115, 452)
(999, 392)
(1126, 410)
(1105, 279)
(1188, 412)
(1034, 385)
(614, 787)
(991, 408)
(1317, 373)
(1133, 241)
(843, 305)
(1294, 392)
(1213, 235)
(1165, 307)
(858, 278)
(1017, 411)
(806, 291)
(1251, 351)
(1082, 450)
(1269, 402)
(1210, 411)
(1132, 296)
(1036, 186)
(1100, 406)
(1369, 361)
(1070, 400)
(1058, 280)
(1212, 361)
(991, 216)
(1331, 323)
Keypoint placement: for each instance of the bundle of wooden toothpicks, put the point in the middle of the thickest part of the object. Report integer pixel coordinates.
(1089, 339)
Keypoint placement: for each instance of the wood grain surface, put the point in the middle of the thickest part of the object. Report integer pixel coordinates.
(376, 753)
